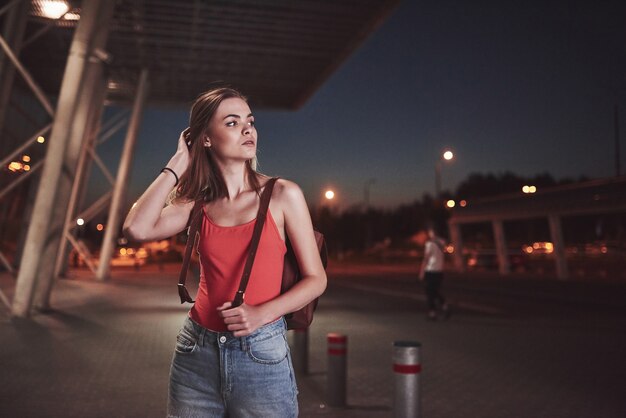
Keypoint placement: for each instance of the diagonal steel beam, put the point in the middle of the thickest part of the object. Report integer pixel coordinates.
(43, 99)
(25, 145)
(96, 207)
(103, 167)
(21, 179)
(7, 7)
(84, 253)
(6, 263)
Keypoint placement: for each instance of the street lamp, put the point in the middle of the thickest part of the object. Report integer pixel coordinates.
(366, 191)
(446, 156)
(329, 195)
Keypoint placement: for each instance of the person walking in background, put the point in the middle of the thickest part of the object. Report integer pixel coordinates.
(231, 361)
(431, 272)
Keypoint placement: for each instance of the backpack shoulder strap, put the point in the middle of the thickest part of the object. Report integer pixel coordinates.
(256, 237)
(193, 227)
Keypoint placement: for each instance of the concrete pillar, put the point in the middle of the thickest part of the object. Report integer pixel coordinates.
(94, 16)
(556, 234)
(457, 243)
(504, 267)
(114, 220)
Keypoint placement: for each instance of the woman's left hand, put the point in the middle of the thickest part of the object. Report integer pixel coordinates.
(242, 320)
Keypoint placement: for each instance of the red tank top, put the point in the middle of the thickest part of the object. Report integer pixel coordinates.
(223, 251)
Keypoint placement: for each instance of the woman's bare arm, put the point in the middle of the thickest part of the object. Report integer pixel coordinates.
(148, 219)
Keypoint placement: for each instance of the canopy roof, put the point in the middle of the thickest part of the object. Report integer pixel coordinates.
(278, 52)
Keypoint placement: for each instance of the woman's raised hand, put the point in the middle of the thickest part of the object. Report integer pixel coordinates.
(180, 160)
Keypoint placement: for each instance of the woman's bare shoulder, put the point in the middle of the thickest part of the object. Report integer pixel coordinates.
(287, 192)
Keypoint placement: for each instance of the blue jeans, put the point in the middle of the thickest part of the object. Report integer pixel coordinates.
(215, 374)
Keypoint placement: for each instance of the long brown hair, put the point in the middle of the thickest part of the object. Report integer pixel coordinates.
(203, 179)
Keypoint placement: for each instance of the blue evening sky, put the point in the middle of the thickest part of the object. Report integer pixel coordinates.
(528, 87)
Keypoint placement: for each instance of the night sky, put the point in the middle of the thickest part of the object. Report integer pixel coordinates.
(528, 87)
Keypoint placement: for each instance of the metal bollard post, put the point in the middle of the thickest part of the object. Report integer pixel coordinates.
(300, 353)
(406, 368)
(337, 367)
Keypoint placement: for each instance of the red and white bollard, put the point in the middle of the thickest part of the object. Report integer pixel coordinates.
(406, 369)
(337, 369)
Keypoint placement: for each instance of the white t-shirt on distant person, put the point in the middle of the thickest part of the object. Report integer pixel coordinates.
(434, 255)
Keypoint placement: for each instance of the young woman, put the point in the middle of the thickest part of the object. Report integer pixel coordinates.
(231, 361)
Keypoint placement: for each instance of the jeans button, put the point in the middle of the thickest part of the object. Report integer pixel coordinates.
(222, 339)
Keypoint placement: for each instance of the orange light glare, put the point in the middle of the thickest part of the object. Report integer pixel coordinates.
(26, 158)
(99, 227)
(463, 203)
(330, 195)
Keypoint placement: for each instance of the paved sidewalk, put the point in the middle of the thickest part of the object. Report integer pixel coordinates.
(105, 350)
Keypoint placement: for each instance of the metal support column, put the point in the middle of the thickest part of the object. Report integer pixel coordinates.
(457, 243)
(556, 234)
(114, 220)
(83, 45)
(90, 105)
(504, 267)
(79, 188)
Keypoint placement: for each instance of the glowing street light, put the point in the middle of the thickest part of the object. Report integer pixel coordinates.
(446, 156)
(450, 203)
(41, 139)
(529, 189)
(329, 195)
(80, 222)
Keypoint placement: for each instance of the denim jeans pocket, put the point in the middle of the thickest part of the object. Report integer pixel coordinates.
(271, 350)
(186, 342)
